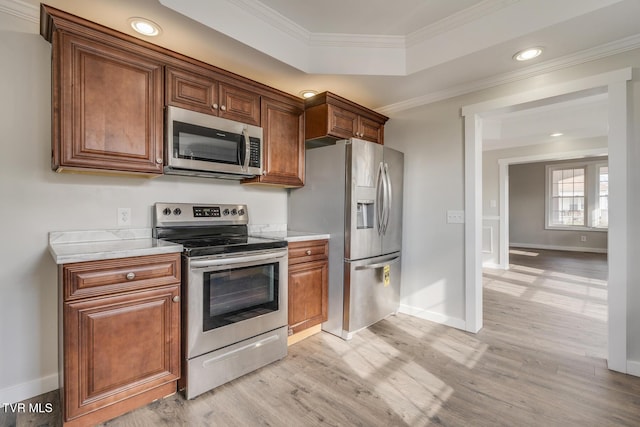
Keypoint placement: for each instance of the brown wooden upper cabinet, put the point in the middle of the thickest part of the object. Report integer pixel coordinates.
(201, 90)
(283, 144)
(107, 100)
(329, 115)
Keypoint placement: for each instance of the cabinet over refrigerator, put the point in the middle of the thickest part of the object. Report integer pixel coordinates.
(354, 192)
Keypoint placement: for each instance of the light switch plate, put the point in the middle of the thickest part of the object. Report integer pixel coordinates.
(455, 217)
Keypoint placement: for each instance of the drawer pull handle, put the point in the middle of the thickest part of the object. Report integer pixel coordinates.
(176, 298)
(131, 276)
(308, 252)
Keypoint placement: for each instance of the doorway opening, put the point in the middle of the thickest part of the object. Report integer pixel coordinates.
(615, 85)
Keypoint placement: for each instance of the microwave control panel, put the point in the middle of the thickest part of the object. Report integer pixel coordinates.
(254, 152)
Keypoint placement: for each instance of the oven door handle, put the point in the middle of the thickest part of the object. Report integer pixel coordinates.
(204, 263)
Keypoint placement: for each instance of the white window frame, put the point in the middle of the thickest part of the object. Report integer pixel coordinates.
(591, 194)
(596, 208)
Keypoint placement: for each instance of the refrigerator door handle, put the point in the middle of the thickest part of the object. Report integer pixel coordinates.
(380, 198)
(378, 264)
(388, 198)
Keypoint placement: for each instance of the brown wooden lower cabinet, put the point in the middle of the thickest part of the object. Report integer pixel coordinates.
(121, 349)
(308, 284)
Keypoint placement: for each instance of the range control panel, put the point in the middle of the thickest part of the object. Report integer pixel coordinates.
(197, 214)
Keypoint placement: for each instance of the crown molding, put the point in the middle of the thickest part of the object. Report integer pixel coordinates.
(20, 10)
(456, 20)
(357, 40)
(587, 55)
(280, 22)
(269, 16)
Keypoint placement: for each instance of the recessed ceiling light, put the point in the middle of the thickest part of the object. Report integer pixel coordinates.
(556, 134)
(308, 93)
(144, 26)
(527, 54)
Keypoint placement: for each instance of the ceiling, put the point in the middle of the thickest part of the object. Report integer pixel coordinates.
(386, 55)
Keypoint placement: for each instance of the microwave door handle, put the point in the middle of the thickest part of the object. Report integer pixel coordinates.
(247, 149)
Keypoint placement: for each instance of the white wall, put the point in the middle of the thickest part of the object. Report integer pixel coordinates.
(433, 251)
(35, 201)
(432, 138)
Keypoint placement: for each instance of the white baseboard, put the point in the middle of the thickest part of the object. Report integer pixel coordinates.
(633, 368)
(493, 265)
(20, 392)
(558, 248)
(442, 319)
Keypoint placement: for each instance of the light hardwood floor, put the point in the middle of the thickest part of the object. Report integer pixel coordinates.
(539, 361)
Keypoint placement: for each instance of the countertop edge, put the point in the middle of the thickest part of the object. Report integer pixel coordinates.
(66, 253)
(292, 235)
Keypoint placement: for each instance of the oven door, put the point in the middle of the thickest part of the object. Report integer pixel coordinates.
(234, 297)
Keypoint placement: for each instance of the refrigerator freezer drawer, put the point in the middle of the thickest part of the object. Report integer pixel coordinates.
(371, 291)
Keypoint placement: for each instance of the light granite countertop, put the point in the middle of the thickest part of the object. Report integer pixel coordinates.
(291, 235)
(94, 245)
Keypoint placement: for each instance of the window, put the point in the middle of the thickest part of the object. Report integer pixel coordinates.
(577, 196)
(567, 199)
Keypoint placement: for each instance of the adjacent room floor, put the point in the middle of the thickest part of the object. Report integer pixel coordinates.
(538, 361)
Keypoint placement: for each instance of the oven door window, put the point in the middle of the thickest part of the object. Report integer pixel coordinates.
(238, 294)
(207, 144)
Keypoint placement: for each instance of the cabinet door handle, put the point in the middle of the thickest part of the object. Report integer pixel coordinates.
(223, 108)
(308, 252)
(176, 298)
(215, 106)
(159, 161)
(131, 276)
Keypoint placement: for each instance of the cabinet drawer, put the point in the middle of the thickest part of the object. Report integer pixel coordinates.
(93, 278)
(312, 250)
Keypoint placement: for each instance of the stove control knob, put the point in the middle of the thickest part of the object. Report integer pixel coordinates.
(241, 212)
(234, 212)
(177, 211)
(225, 212)
(166, 211)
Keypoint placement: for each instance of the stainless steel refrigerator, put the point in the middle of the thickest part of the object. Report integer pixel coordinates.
(353, 191)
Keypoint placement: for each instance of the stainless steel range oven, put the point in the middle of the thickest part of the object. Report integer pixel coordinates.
(234, 292)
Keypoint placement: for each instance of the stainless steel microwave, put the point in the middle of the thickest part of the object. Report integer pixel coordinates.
(198, 144)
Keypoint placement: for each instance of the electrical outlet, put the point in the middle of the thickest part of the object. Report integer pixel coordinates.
(583, 238)
(124, 216)
(455, 217)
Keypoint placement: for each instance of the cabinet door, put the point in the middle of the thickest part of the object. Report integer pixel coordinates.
(239, 104)
(118, 347)
(283, 144)
(371, 130)
(108, 109)
(192, 91)
(342, 123)
(308, 298)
